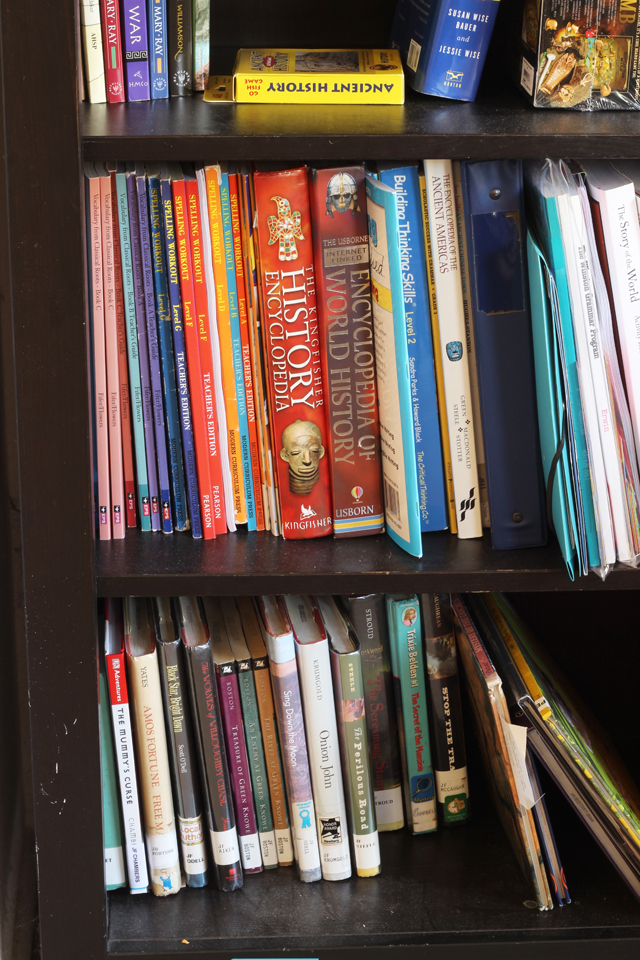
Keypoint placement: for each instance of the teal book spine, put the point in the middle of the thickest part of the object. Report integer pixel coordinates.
(114, 873)
(403, 613)
(397, 441)
(135, 386)
(230, 263)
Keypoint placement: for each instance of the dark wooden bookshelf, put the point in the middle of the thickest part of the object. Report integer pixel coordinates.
(455, 896)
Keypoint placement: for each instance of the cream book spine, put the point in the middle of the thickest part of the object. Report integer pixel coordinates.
(154, 776)
(453, 345)
(93, 54)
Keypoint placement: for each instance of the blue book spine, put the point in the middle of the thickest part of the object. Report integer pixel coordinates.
(237, 351)
(445, 45)
(397, 444)
(426, 424)
(163, 316)
(135, 385)
(180, 354)
(158, 66)
(143, 351)
(136, 49)
(154, 355)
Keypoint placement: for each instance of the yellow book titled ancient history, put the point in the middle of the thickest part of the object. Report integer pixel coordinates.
(318, 76)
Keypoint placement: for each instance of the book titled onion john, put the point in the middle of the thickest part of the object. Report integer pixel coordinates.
(341, 248)
(292, 342)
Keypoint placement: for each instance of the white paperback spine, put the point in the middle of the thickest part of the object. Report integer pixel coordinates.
(453, 345)
(93, 55)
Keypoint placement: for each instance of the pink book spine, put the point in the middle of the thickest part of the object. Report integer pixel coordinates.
(112, 47)
(112, 349)
(99, 361)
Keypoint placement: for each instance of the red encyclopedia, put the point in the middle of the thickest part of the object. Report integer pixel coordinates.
(341, 250)
(292, 346)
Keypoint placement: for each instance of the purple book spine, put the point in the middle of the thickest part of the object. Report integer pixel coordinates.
(143, 350)
(231, 708)
(136, 49)
(154, 353)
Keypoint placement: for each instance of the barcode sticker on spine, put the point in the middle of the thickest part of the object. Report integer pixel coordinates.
(392, 501)
(414, 55)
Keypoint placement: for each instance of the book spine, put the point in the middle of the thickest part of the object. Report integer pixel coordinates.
(437, 363)
(206, 358)
(112, 43)
(347, 674)
(154, 357)
(452, 785)
(193, 357)
(93, 58)
(407, 637)
(259, 778)
(426, 427)
(123, 738)
(439, 70)
(292, 345)
(123, 373)
(112, 350)
(136, 49)
(288, 706)
(214, 770)
(314, 669)
(231, 711)
(183, 762)
(180, 354)
(114, 872)
(180, 48)
(247, 509)
(137, 412)
(155, 779)
(143, 352)
(163, 316)
(255, 500)
(99, 357)
(223, 316)
(465, 280)
(201, 31)
(273, 761)
(158, 68)
(369, 620)
(453, 350)
(341, 250)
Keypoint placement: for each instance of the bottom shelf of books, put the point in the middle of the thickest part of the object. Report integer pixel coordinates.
(318, 774)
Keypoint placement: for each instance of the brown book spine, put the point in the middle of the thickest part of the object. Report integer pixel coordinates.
(341, 251)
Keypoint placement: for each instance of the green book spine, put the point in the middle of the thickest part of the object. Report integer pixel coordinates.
(406, 636)
(352, 729)
(257, 764)
(114, 875)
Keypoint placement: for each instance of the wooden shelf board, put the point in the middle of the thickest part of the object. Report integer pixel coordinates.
(146, 564)
(499, 123)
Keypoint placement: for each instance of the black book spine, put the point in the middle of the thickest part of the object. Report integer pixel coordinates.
(183, 763)
(180, 14)
(369, 619)
(214, 769)
(450, 761)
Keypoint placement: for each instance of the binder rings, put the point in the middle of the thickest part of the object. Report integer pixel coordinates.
(494, 215)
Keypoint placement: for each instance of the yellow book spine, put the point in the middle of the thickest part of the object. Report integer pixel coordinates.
(437, 360)
(212, 177)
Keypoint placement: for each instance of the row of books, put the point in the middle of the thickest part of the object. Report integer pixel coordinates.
(144, 49)
(287, 729)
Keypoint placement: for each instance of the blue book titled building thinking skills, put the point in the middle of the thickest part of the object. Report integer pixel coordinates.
(405, 182)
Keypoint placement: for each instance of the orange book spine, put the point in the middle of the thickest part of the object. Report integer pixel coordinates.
(123, 370)
(243, 310)
(226, 343)
(193, 356)
(206, 356)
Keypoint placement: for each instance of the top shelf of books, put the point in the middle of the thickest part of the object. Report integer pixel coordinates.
(499, 124)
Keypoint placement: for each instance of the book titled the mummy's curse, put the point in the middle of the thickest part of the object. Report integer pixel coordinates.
(293, 352)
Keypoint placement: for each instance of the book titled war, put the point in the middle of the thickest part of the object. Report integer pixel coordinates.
(292, 338)
(341, 248)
